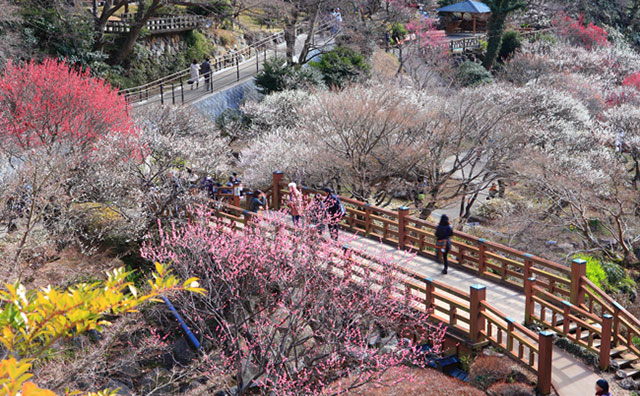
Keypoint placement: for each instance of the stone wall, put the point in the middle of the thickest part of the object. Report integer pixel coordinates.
(230, 98)
(165, 44)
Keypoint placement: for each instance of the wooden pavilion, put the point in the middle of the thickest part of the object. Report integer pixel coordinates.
(467, 16)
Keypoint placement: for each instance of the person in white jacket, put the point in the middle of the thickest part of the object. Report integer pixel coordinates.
(194, 71)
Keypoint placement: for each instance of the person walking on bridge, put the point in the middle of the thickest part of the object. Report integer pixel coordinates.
(444, 232)
(194, 73)
(602, 387)
(205, 70)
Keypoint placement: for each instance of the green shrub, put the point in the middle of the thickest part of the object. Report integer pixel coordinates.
(198, 46)
(617, 277)
(595, 272)
(273, 75)
(341, 66)
(398, 32)
(511, 42)
(470, 74)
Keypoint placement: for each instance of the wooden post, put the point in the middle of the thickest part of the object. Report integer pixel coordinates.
(403, 211)
(474, 24)
(482, 264)
(161, 95)
(529, 284)
(173, 94)
(275, 200)
(478, 293)
(617, 308)
(367, 219)
(545, 356)
(578, 270)
(605, 342)
(428, 299)
(566, 321)
(510, 328)
(527, 266)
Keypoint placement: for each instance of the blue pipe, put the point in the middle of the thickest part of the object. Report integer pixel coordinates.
(192, 338)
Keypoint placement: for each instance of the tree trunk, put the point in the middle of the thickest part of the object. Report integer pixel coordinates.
(302, 59)
(496, 28)
(290, 40)
(141, 20)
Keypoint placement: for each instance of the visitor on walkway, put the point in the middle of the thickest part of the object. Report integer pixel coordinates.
(205, 70)
(295, 203)
(444, 232)
(335, 211)
(602, 387)
(317, 213)
(194, 72)
(258, 202)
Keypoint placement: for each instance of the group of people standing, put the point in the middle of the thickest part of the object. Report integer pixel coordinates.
(335, 20)
(318, 212)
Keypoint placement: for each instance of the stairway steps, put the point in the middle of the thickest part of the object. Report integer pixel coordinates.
(623, 363)
(631, 372)
(617, 351)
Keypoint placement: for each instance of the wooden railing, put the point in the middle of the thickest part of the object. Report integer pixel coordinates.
(468, 313)
(156, 25)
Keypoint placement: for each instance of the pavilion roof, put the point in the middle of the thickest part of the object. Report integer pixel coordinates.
(468, 6)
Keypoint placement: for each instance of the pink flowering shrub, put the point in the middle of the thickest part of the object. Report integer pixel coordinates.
(289, 312)
(576, 32)
(632, 80)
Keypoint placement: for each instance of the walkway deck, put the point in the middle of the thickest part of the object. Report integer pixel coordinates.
(570, 377)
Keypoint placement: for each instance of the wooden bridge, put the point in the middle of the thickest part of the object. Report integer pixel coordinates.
(519, 289)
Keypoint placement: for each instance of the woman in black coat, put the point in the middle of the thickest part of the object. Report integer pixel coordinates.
(444, 232)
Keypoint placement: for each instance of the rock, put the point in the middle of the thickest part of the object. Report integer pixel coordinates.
(131, 370)
(628, 384)
(157, 379)
(122, 389)
(183, 352)
(620, 374)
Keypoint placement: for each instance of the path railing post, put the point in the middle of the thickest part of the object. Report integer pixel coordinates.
(403, 211)
(566, 320)
(237, 67)
(173, 94)
(617, 308)
(482, 263)
(367, 219)
(257, 60)
(478, 294)
(545, 355)
(275, 198)
(529, 284)
(428, 297)
(605, 341)
(181, 90)
(578, 270)
(161, 95)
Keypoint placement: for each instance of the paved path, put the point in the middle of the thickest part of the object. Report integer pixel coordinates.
(570, 377)
(227, 78)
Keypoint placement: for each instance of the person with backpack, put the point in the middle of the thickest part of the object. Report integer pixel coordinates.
(335, 211)
(444, 232)
(602, 387)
